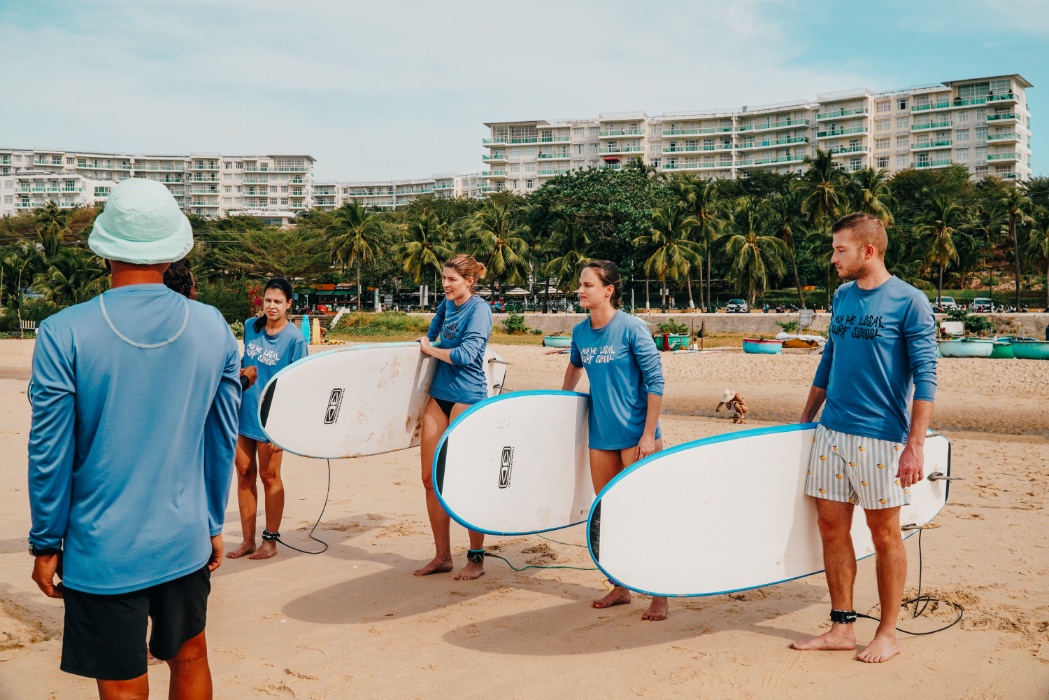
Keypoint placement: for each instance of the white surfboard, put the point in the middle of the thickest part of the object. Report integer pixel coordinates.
(517, 464)
(728, 513)
(355, 401)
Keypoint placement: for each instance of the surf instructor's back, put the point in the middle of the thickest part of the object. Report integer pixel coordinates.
(135, 397)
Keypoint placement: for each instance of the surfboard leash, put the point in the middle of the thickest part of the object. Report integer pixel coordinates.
(275, 536)
(921, 602)
(540, 566)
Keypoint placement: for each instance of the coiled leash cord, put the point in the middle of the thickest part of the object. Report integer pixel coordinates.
(275, 536)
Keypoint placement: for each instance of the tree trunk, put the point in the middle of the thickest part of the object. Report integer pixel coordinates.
(1047, 286)
(702, 305)
(358, 287)
(663, 295)
(829, 268)
(797, 280)
(1016, 255)
(710, 297)
(647, 306)
(688, 282)
(939, 289)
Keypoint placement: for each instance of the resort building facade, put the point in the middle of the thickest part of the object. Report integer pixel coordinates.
(983, 124)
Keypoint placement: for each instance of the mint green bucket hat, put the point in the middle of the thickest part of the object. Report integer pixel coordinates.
(142, 225)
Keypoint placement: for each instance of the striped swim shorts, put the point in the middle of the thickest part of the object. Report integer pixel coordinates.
(853, 469)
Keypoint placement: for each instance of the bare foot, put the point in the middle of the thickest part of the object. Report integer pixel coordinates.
(244, 548)
(439, 565)
(881, 649)
(617, 596)
(657, 610)
(470, 572)
(265, 551)
(840, 638)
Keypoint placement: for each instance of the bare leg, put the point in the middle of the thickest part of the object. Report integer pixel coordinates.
(434, 425)
(839, 560)
(270, 458)
(660, 606)
(604, 466)
(891, 566)
(247, 494)
(473, 570)
(133, 689)
(190, 672)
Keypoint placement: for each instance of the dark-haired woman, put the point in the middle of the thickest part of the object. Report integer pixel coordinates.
(463, 322)
(271, 343)
(626, 390)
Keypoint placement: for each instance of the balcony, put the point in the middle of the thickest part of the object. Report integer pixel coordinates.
(772, 161)
(84, 165)
(697, 166)
(698, 149)
(842, 150)
(841, 132)
(1003, 156)
(256, 181)
(931, 125)
(291, 169)
(1008, 117)
(554, 173)
(932, 163)
(1006, 176)
(923, 145)
(200, 178)
(781, 124)
(1004, 97)
(554, 139)
(494, 173)
(931, 107)
(842, 113)
(494, 158)
(201, 166)
(554, 156)
(498, 141)
(613, 133)
(1008, 136)
(698, 132)
(772, 144)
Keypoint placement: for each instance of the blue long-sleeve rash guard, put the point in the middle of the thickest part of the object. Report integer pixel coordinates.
(881, 342)
(135, 398)
(464, 330)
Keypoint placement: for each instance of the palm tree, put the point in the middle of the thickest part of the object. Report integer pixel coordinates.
(423, 246)
(51, 226)
(1016, 204)
(1038, 243)
(670, 251)
(542, 221)
(785, 211)
(494, 237)
(871, 193)
(752, 254)
(21, 261)
(943, 216)
(73, 275)
(568, 244)
(701, 199)
(822, 187)
(353, 238)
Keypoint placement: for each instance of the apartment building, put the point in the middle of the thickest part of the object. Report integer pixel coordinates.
(393, 194)
(983, 124)
(274, 187)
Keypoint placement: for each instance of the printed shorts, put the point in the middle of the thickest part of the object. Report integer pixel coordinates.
(853, 469)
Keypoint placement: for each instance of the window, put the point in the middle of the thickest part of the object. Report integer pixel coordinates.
(882, 125)
(654, 163)
(963, 117)
(903, 141)
(529, 153)
(884, 106)
(529, 167)
(529, 184)
(515, 152)
(273, 189)
(883, 162)
(515, 168)
(962, 155)
(901, 161)
(9, 199)
(579, 149)
(981, 114)
(962, 136)
(284, 201)
(69, 161)
(284, 189)
(903, 123)
(881, 144)
(902, 104)
(981, 134)
(228, 165)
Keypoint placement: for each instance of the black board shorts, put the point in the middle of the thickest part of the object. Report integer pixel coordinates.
(105, 635)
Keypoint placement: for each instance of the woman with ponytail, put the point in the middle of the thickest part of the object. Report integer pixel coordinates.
(463, 322)
(626, 390)
(271, 343)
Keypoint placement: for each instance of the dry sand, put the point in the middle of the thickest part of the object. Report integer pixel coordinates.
(355, 623)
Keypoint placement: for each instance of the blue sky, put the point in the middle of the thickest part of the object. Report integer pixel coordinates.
(401, 89)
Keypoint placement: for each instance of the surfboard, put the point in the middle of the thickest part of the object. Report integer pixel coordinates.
(517, 464)
(355, 401)
(728, 513)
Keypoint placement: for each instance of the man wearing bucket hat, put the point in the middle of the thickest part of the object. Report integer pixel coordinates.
(135, 397)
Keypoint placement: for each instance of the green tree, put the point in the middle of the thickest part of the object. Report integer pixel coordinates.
(669, 251)
(823, 186)
(754, 257)
(271, 252)
(870, 193)
(702, 200)
(423, 246)
(785, 212)
(73, 275)
(495, 238)
(568, 244)
(943, 218)
(353, 238)
(1038, 243)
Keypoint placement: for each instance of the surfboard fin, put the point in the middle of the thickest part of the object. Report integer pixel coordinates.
(940, 476)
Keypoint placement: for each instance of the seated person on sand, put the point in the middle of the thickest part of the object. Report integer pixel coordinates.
(736, 405)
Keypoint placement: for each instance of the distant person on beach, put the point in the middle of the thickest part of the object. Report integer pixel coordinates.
(179, 278)
(735, 404)
(626, 390)
(463, 323)
(271, 343)
(135, 398)
(868, 448)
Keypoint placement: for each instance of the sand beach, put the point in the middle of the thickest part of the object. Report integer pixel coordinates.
(354, 622)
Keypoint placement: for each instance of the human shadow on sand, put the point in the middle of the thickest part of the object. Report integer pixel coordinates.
(579, 629)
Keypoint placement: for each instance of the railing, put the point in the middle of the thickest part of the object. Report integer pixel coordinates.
(1010, 136)
(841, 132)
(203, 167)
(841, 113)
(848, 149)
(554, 139)
(621, 132)
(1004, 97)
(495, 156)
(931, 163)
(770, 161)
(557, 156)
(931, 125)
(553, 172)
(931, 144)
(774, 125)
(291, 169)
(1000, 117)
(494, 173)
(694, 132)
(1006, 176)
(256, 181)
(697, 166)
(930, 106)
(771, 144)
(1003, 156)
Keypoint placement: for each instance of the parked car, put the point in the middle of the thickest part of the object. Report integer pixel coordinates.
(946, 304)
(737, 306)
(981, 305)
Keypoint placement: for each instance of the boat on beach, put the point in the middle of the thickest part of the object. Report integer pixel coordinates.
(758, 346)
(1029, 349)
(966, 347)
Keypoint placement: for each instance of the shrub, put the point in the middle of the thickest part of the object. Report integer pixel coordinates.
(514, 323)
(673, 328)
(238, 329)
(388, 323)
(973, 324)
(537, 331)
(231, 300)
(789, 326)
